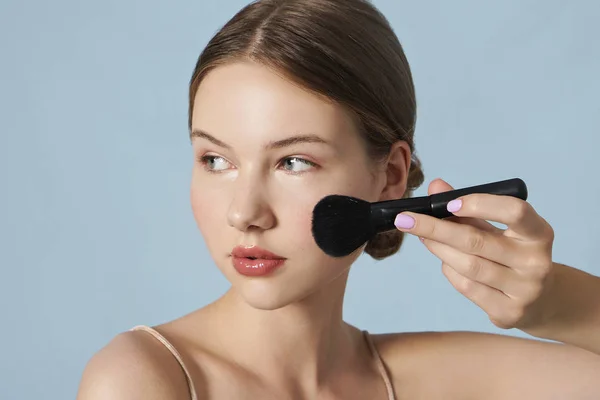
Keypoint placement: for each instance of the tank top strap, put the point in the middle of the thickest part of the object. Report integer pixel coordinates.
(174, 352)
(382, 370)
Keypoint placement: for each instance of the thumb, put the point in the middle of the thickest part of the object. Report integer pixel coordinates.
(438, 186)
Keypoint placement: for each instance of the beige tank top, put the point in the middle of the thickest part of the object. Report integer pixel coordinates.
(188, 377)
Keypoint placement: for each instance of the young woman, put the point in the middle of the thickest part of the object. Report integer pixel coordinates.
(293, 100)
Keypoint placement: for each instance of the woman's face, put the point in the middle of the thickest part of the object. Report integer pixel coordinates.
(253, 184)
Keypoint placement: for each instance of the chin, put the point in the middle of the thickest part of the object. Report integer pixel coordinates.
(263, 294)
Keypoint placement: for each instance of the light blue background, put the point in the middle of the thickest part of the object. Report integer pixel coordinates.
(96, 231)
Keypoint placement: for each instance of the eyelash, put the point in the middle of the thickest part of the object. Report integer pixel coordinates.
(206, 158)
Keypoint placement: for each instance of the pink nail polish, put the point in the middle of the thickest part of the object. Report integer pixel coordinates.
(404, 221)
(454, 205)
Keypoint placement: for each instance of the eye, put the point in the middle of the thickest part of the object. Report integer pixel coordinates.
(297, 164)
(214, 163)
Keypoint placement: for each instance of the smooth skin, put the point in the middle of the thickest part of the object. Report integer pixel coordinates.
(283, 337)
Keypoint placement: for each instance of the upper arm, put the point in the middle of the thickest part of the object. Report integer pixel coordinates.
(478, 365)
(131, 366)
(531, 369)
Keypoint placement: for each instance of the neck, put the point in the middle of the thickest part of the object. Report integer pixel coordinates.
(302, 343)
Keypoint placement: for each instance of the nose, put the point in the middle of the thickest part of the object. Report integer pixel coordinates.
(249, 209)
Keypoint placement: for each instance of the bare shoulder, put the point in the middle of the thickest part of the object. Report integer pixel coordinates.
(133, 365)
(483, 365)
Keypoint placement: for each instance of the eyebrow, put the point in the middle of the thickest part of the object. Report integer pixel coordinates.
(278, 144)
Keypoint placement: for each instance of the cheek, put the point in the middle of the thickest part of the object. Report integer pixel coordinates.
(305, 200)
(204, 209)
(298, 227)
(323, 268)
(297, 207)
(302, 225)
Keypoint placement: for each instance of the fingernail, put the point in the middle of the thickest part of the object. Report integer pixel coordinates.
(454, 205)
(422, 240)
(404, 221)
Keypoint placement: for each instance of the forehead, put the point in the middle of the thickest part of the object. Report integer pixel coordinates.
(253, 100)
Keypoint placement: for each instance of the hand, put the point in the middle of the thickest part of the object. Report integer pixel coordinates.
(506, 272)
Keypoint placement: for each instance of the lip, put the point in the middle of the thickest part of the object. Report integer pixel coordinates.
(255, 261)
(254, 252)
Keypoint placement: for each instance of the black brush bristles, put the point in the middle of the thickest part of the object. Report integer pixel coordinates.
(341, 224)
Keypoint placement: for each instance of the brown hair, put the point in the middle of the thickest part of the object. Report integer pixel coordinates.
(344, 50)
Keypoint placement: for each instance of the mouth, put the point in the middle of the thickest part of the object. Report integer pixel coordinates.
(254, 253)
(255, 261)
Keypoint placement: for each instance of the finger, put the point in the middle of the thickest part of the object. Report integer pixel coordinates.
(492, 301)
(478, 269)
(465, 238)
(438, 185)
(518, 215)
(477, 223)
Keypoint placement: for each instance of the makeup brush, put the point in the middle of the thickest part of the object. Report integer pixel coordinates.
(341, 224)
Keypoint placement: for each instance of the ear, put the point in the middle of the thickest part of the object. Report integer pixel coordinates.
(396, 167)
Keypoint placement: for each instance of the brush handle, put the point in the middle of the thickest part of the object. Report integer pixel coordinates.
(511, 187)
(384, 213)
